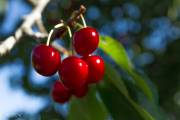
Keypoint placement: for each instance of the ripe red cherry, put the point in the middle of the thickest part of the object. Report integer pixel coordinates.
(45, 60)
(80, 92)
(74, 72)
(96, 68)
(85, 40)
(60, 93)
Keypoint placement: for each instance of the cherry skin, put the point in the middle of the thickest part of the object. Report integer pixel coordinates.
(80, 92)
(85, 40)
(73, 72)
(96, 68)
(60, 93)
(45, 60)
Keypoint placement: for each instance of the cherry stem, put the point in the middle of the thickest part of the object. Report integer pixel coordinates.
(69, 31)
(49, 37)
(52, 31)
(83, 20)
(70, 35)
(59, 25)
(70, 23)
(79, 25)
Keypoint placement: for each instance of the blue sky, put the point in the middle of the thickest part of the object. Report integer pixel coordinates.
(14, 100)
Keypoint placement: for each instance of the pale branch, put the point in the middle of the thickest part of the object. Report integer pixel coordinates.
(41, 27)
(29, 20)
(33, 2)
(60, 48)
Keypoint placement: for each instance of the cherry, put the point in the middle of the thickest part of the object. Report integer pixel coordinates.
(74, 72)
(85, 40)
(60, 93)
(45, 59)
(80, 92)
(96, 68)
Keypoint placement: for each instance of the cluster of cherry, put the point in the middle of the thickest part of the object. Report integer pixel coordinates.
(76, 73)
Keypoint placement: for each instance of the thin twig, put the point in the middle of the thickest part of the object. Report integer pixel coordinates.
(41, 27)
(33, 2)
(26, 28)
(60, 48)
(73, 20)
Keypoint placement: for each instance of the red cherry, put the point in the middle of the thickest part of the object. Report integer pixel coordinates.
(74, 72)
(85, 40)
(80, 92)
(45, 59)
(96, 68)
(60, 93)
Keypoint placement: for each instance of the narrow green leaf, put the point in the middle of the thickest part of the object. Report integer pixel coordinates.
(115, 96)
(115, 50)
(87, 108)
(120, 106)
(141, 110)
(2, 6)
(115, 78)
(141, 83)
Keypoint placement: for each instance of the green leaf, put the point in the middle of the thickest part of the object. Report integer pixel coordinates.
(144, 114)
(87, 108)
(2, 6)
(142, 84)
(115, 95)
(120, 106)
(116, 51)
(153, 108)
(112, 75)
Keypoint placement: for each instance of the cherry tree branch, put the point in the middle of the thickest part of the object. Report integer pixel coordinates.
(33, 2)
(34, 18)
(72, 21)
(26, 27)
